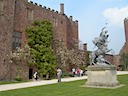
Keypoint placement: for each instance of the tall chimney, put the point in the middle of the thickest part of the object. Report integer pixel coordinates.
(61, 8)
(70, 18)
(85, 46)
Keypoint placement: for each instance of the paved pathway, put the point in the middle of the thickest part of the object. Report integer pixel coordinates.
(44, 82)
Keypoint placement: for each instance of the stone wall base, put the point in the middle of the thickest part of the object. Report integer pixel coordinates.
(102, 76)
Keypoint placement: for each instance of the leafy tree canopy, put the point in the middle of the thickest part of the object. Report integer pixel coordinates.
(39, 38)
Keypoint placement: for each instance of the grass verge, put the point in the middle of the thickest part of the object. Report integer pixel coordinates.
(70, 89)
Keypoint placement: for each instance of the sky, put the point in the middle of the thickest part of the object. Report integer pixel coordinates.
(92, 16)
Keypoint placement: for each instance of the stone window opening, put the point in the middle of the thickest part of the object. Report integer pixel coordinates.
(61, 22)
(55, 21)
(29, 14)
(1, 7)
(16, 40)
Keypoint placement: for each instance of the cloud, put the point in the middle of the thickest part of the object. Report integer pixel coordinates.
(115, 16)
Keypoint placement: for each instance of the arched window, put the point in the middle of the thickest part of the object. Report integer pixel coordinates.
(29, 14)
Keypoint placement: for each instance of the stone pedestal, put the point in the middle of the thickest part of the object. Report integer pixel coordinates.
(102, 75)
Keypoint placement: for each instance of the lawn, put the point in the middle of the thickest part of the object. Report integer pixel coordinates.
(70, 89)
(2, 83)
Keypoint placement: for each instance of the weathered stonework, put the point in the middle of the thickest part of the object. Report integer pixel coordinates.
(6, 29)
(104, 76)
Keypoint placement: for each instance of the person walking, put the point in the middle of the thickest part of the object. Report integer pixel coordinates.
(73, 72)
(59, 74)
(78, 72)
(35, 76)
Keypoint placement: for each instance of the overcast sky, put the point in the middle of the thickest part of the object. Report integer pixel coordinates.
(92, 16)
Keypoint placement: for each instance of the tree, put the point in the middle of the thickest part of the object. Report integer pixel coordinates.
(77, 56)
(124, 61)
(39, 38)
(61, 51)
(70, 57)
(87, 59)
(21, 56)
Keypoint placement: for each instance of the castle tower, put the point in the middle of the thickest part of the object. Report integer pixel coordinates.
(125, 46)
(126, 29)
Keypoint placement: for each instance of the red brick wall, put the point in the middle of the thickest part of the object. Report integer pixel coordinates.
(109, 58)
(15, 18)
(63, 28)
(116, 60)
(125, 47)
(6, 29)
(126, 30)
(113, 59)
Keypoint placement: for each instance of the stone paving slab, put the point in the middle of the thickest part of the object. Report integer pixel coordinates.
(44, 82)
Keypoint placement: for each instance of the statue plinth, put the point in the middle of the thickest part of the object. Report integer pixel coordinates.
(102, 75)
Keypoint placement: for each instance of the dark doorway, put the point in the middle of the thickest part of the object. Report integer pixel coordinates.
(30, 73)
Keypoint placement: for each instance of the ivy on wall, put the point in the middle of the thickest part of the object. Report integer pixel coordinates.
(39, 38)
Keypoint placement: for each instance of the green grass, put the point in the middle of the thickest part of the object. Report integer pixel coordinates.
(3, 83)
(70, 89)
